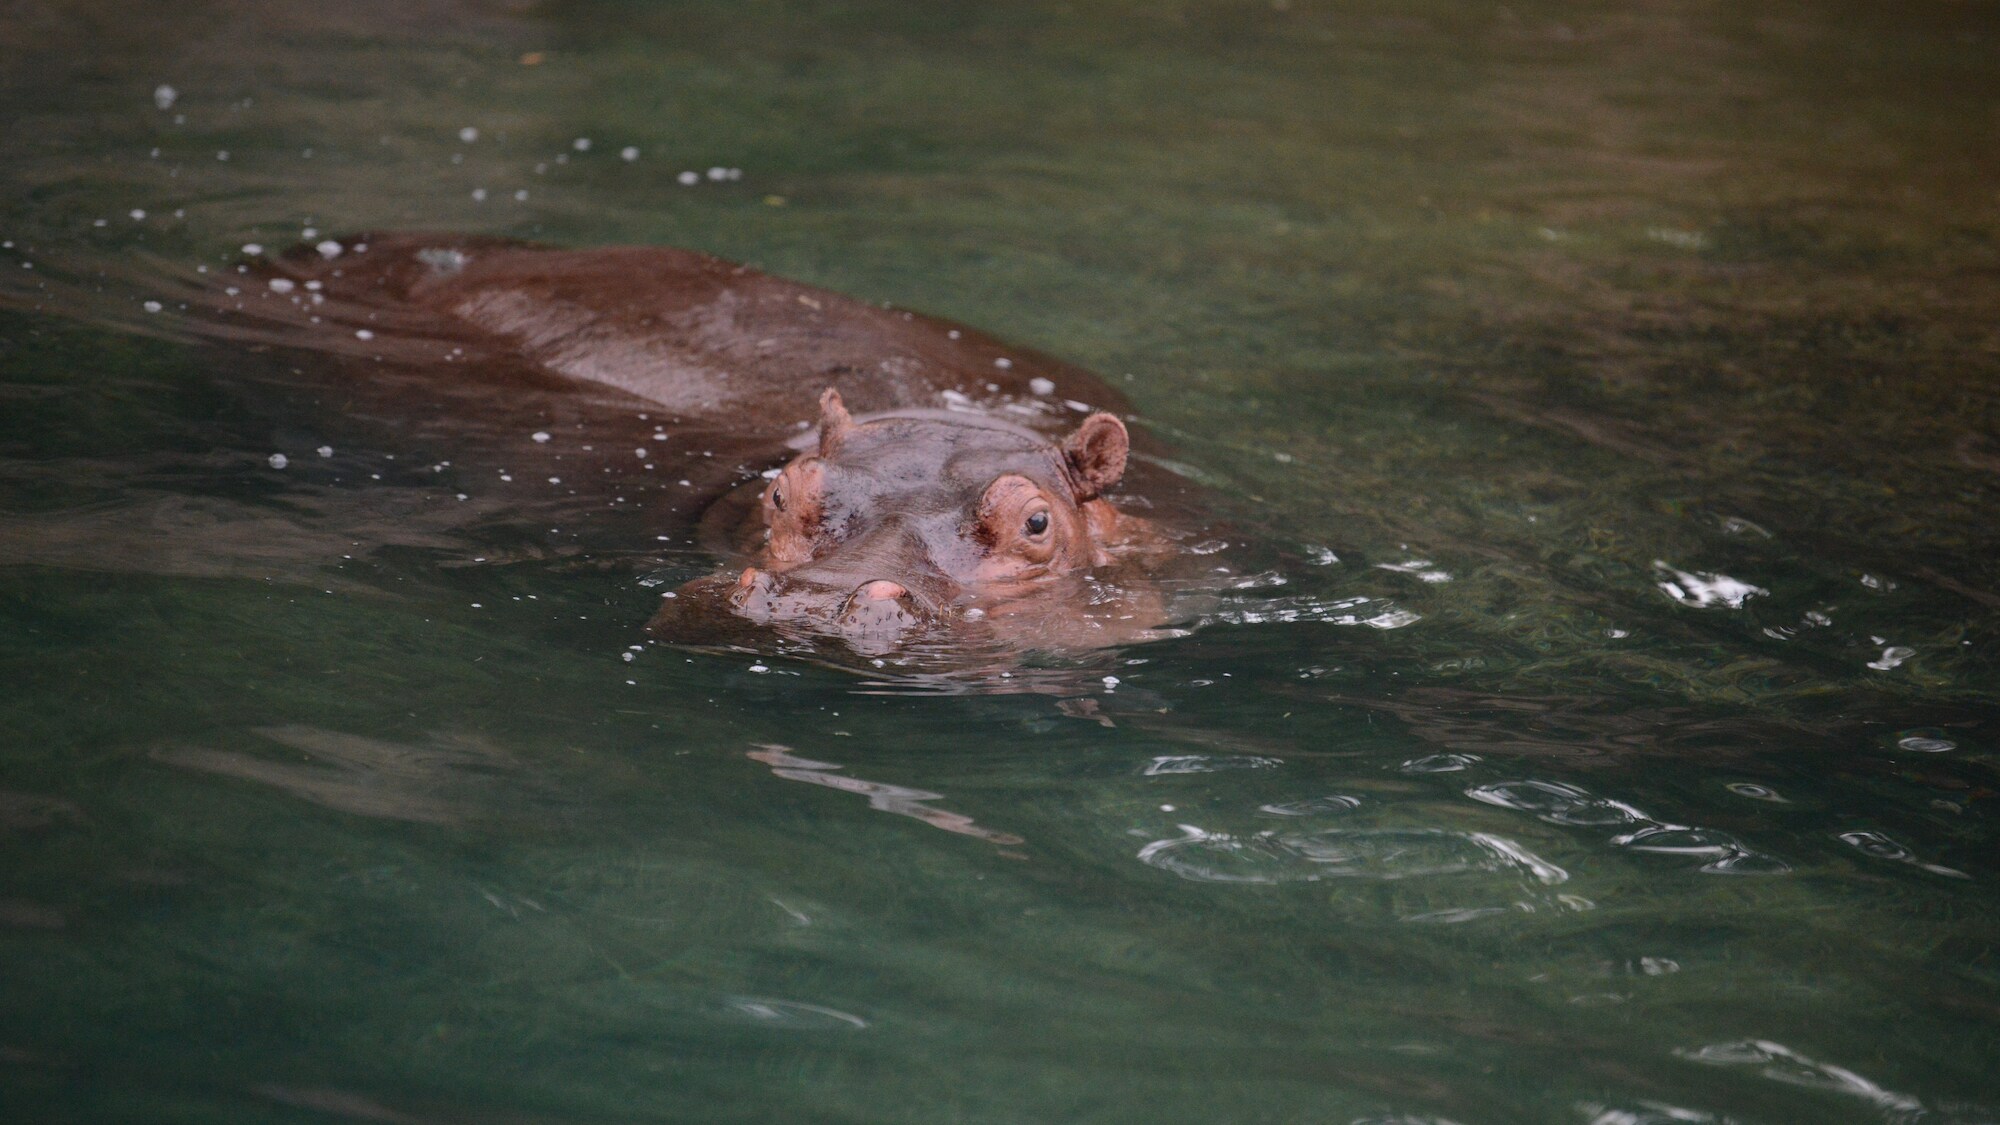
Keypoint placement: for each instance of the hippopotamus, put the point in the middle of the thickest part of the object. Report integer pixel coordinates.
(870, 475)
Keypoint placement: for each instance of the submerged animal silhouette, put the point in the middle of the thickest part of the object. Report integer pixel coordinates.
(953, 498)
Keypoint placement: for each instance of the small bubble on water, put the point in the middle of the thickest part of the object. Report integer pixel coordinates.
(1003, 363)
(152, 306)
(581, 144)
(629, 153)
(1755, 792)
(324, 451)
(479, 195)
(279, 460)
(164, 96)
(363, 334)
(138, 214)
(329, 249)
(540, 437)
(469, 134)
(253, 249)
(1924, 742)
(689, 179)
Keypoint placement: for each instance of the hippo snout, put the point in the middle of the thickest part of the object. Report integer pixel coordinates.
(879, 608)
(872, 615)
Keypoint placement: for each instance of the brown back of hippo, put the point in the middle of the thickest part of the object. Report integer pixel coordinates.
(730, 363)
(715, 344)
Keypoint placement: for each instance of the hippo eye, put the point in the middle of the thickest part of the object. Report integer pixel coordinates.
(778, 498)
(1038, 523)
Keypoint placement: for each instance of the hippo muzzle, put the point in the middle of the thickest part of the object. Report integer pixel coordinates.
(873, 616)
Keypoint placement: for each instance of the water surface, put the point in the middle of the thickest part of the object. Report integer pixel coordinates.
(1612, 388)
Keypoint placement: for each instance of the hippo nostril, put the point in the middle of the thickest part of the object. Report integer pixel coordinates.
(881, 590)
(751, 586)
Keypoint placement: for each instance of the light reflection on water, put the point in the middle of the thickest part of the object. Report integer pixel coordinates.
(1600, 406)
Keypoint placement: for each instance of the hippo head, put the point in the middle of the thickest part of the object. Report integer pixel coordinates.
(920, 523)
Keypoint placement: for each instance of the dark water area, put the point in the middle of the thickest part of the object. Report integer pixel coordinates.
(1601, 404)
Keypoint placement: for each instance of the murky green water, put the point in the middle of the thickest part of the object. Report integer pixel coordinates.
(1638, 362)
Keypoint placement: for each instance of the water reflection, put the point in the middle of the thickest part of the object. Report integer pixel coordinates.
(897, 799)
(431, 783)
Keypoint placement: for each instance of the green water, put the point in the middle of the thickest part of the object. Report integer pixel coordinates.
(1638, 363)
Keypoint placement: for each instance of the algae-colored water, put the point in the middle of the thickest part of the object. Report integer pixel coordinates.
(1637, 362)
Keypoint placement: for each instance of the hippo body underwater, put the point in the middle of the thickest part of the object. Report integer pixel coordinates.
(872, 476)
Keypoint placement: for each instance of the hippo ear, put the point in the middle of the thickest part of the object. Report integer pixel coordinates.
(834, 422)
(1096, 453)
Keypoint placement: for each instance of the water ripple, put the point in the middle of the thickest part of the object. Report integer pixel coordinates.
(1312, 806)
(1648, 1113)
(793, 1015)
(1880, 846)
(1924, 742)
(1208, 763)
(1375, 854)
(1560, 803)
(1702, 589)
(1782, 1064)
(1439, 763)
(1374, 613)
(1557, 803)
